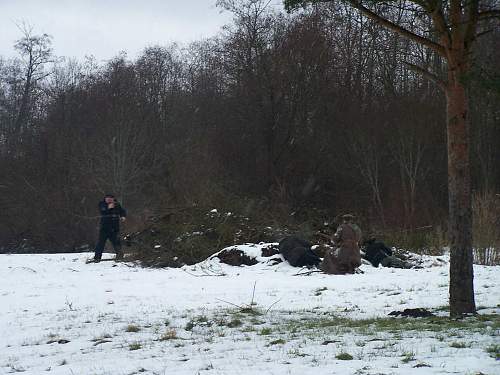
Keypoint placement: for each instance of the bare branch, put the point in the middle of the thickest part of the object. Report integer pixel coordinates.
(436, 13)
(473, 18)
(483, 33)
(488, 14)
(398, 29)
(430, 76)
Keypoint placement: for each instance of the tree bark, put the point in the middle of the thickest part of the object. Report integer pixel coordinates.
(460, 203)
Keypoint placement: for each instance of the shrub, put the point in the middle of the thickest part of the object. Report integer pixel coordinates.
(458, 345)
(277, 342)
(494, 351)
(486, 231)
(265, 331)
(171, 334)
(132, 328)
(343, 356)
(135, 346)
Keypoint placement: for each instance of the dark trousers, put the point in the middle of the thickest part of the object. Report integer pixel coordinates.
(108, 234)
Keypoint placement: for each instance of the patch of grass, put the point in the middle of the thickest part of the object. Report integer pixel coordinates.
(494, 351)
(408, 357)
(319, 291)
(256, 321)
(201, 320)
(459, 345)
(248, 329)
(297, 353)
(436, 324)
(343, 356)
(250, 310)
(134, 346)
(132, 328)
(170, 334)
(221, 333)
(277, 342)
(265, 331)
(387, 345)
(221, 321)
(235, 323)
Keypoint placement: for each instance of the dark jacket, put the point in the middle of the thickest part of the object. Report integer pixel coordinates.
(376, 252)
(298, 252)
(110, 217)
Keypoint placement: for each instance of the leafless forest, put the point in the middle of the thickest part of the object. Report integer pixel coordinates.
(318, 111)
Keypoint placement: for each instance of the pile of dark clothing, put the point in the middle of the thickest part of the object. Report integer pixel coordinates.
(298, 252)
(376, 252)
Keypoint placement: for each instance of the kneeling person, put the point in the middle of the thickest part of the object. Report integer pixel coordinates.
(346, 257)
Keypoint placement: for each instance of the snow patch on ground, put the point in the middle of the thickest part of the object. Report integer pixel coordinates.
(59, 315)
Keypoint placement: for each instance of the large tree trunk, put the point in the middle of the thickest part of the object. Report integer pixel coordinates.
(459, 185)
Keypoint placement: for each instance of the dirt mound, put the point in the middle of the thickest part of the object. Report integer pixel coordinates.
(249, 254)
(190, 235)
(235, 257)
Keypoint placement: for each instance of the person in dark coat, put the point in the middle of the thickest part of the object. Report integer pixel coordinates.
(376, 251)
(111, 214)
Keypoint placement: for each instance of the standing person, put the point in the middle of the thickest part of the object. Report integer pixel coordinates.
(346, 257)
(111, 214)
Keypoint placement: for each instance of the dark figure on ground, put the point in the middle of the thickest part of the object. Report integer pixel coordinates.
(376, 252)
(346, 257)
(111, 214)
(298, 252)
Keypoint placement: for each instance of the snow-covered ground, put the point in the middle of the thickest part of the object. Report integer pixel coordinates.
(59, 315)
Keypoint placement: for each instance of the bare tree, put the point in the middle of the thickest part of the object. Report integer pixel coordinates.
(367, 155)
(408, 153)
(35, 51)
(274, 106)
(457, 24)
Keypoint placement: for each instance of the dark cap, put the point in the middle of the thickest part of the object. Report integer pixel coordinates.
(109, 196)
(348, 216)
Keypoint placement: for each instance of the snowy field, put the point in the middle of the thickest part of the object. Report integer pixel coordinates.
(59, 315)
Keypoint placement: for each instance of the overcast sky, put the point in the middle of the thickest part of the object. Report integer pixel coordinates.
(104, 27)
